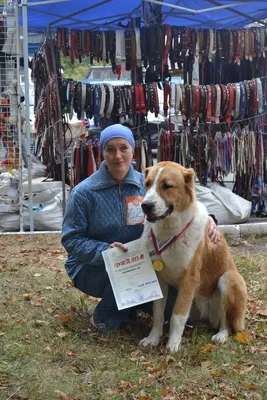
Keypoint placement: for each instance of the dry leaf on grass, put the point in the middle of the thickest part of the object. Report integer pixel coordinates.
(162, 365)
(250, 386)
(27, 296)
(64, 396)
(215, 373)
(62, 334)
(209, 347)
(39, 322)
(258, 349)
(262, 312)
(57, 251)
(243, 337)
(65, 319)
(20, 238)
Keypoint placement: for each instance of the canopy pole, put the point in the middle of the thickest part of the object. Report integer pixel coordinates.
(24, 5)
(240, 13)
(198, 11)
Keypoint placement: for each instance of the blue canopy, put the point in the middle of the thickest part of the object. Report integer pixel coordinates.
(108, 13)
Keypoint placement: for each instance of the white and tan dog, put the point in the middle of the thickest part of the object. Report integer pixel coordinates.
(203, 272)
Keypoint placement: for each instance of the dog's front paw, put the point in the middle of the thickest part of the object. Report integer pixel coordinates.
(150, 341)
(174, 344)
(221, 336)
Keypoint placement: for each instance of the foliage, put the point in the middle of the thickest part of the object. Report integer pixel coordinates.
(77, 70)
(49, 350)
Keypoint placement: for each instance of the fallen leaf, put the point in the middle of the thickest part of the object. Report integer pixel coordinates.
(38, 303)
(72, 353)
(63, 396)
(215, 373)
(209, 347)
(20, 238)
(39, 322)
(243, 337)
(61, 334)
(57, 251)
(18, 396)
(142, 396)
(258, 349)
(262, 312)
(65, 319)
(164, 363)
(37, 275)
(250, 386)
(27, 296)
(49, 288)
(61, 257)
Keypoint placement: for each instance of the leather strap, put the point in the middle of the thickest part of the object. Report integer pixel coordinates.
(260, 96)
(242, 109)
(231, 102)
(237, 100)
(209, 107)
(168, 33)
(218, 104)
(166, 90)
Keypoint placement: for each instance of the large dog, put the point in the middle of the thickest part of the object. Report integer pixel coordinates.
(176, 232)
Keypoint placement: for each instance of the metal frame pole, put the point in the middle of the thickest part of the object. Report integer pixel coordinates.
(21, 211)
(24, 5)
(198, 11)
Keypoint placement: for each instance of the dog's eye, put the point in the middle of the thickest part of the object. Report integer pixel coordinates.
(147, 184)
(165, 186)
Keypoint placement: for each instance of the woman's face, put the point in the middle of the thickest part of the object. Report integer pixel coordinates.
(118, 155)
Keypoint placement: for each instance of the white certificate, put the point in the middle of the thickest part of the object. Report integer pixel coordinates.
(131, 274)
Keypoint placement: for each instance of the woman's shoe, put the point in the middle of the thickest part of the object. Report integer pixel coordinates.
(100, 326)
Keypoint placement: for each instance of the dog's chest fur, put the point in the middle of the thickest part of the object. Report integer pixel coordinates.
(179, 254)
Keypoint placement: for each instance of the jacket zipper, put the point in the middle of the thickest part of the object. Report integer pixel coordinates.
(122, 222)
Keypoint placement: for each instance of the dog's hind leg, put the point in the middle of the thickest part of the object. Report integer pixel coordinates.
(218, 311)
(158, 319)
(236, 303)
(228, 305)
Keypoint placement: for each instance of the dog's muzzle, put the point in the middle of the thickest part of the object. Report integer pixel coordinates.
(149, 210)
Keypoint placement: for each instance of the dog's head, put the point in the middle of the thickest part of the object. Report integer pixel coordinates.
(170, 187)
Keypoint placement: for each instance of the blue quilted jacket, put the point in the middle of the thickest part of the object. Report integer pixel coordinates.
(96, 216)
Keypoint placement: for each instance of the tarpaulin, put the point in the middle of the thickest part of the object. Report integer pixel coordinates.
(110, 13)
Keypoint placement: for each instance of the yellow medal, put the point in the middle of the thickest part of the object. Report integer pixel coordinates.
(158, 265)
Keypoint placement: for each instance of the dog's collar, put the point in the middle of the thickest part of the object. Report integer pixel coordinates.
(159, 250)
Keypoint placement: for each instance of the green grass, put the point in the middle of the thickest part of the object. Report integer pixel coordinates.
(49, 351)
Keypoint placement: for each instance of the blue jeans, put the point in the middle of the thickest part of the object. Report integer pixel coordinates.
(94, 281)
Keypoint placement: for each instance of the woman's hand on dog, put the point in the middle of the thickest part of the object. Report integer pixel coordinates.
(213, 232)
(120, 245)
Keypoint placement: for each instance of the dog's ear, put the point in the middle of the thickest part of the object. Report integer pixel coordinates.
(146, 171)
(189, 176)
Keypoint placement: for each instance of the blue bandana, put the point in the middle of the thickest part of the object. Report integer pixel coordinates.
(116, 131)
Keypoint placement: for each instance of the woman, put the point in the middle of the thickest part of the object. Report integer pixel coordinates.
(96, 219)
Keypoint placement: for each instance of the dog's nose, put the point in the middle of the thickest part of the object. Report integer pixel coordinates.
(147, 207)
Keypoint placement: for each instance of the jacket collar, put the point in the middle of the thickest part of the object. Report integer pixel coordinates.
(101, 179)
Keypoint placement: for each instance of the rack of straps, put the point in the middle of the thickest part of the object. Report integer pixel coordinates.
(205, 103)
(222, 55)
(86, 158)
(214, 151)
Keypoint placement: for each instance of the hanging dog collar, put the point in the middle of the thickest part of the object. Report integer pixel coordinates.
(159, 250)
